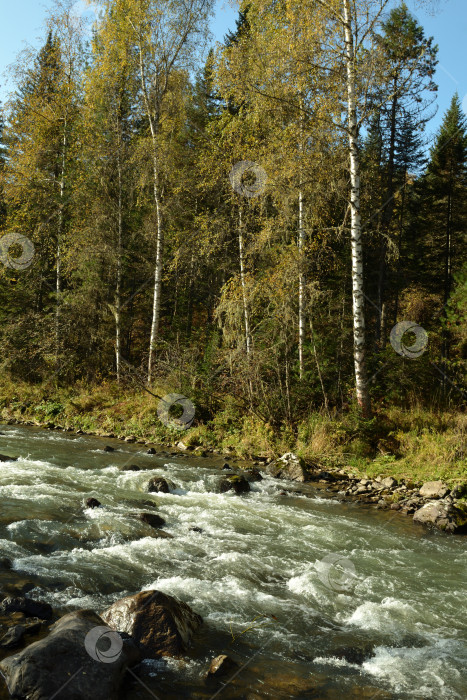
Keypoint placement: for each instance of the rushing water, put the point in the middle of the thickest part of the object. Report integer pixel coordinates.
(291, 586)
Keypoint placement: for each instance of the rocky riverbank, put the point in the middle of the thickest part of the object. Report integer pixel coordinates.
(431, 503)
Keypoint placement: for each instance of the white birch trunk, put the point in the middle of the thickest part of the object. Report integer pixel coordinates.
(119, 274)
(358, 300)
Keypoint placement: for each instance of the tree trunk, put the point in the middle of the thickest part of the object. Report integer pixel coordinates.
(246, 313)
(156, 305)
(301, 286)
(358, 299)
(119, 274)
(58, 271)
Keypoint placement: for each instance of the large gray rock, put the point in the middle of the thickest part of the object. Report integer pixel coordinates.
(434, 489)
(160, 624)
(442, 515)
(61, 665)
(289, 466)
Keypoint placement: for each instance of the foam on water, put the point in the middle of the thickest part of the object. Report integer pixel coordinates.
(258, 558)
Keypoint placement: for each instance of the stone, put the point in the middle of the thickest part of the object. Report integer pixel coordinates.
(459, 491)
(13, 638)
(130, 468)
(221, 666)
(130, 438)
(160, 624)
(289, 466)
(252, 475)
(108, 448)
(434, 489)
(27, 606)
(151, 519)
(234, 483)
(92, 503)
(151, 451)
(442, 515)
(194, 528)
(5, 458)
(181, 446)
(389, 482)
(159, 485)
(63, 658)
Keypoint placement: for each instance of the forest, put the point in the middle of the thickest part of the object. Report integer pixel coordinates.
(261, 225)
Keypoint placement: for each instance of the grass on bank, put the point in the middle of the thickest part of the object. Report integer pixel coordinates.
(412, 443)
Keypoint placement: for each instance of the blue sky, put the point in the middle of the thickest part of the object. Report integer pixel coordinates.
(22, 25)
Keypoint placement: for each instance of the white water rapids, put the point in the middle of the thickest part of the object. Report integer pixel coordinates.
(283, 583)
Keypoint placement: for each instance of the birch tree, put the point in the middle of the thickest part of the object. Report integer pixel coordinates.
(167, 34)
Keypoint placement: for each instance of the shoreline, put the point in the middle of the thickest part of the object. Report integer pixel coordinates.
(430, 503)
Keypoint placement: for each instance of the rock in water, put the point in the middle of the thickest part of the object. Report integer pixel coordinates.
(27, 606)
(434, 489)
(151, 451)
(220, 667)
(107, 448)
(253, 475)
(235, 483)
(443, 515)
(92, 503)
(150, 519)
(159, 624)
(4, 458)
(159, 485)
(64, 658)
(289, 466)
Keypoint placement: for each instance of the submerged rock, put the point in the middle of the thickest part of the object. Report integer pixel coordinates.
(5, 458)
(107, 448)
(71, 656)
(160, 624)
(130, 468)
(234, 483)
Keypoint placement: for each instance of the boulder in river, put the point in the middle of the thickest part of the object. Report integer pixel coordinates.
(160, 624)
(443, 515)
(151, 519)
(92, 503)
(71, 656)
(130, 468)
(151, 451)
(5, 458)
(108, 448)
(434, 489)
(27, 606)
(160, 485)
(252, 475)
(234, 483)
(289, 466)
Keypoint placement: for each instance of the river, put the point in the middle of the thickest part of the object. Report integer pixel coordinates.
(314, 598)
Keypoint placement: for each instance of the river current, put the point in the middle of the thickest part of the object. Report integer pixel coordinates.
(313, 598)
